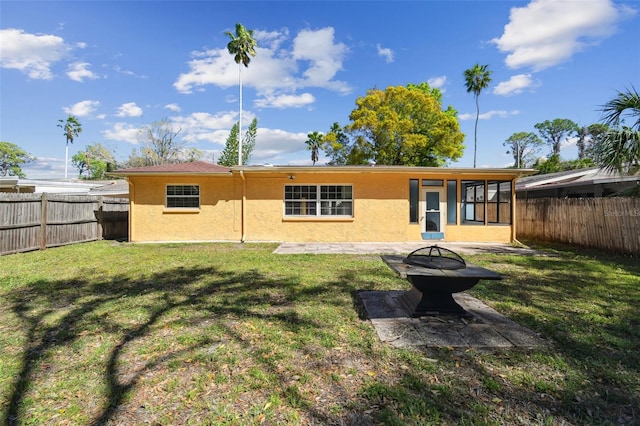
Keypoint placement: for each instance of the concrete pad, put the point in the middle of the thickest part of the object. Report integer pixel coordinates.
(400, 247)
(485, 329)
(484, 336)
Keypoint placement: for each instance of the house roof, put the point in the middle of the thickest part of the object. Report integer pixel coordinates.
(192, 167)
(590, 176)
(201, 167)
(59, 186)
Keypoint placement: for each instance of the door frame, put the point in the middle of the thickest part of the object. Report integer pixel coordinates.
(442, 194)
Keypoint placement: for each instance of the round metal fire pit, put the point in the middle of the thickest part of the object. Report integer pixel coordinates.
(435, 274)
(435, 257)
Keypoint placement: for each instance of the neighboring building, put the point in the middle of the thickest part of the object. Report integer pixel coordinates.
(205, 202)
(114, 188)
(581, 183)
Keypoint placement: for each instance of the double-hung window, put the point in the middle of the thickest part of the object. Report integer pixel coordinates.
(183, 196)
(318, 200)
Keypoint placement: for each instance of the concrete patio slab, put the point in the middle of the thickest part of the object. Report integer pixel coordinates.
(485, 329)
(401, 248)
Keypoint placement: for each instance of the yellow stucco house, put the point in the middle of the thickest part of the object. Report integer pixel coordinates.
(200, 201)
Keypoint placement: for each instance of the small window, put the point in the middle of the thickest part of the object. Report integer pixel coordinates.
(432, 182)
(318, 200)
(413, 200)
(183, 196)
(452, 202)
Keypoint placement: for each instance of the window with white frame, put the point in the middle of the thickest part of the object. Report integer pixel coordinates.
(183, 196)
(318, 200)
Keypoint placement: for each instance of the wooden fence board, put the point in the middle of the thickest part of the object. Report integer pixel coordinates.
(37, 221)
(611, 224)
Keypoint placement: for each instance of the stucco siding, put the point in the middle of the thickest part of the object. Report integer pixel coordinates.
(217, 219)
(380, 208)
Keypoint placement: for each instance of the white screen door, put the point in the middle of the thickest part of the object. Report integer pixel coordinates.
(434, 209)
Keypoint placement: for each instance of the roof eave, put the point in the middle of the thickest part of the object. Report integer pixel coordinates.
(382, 169)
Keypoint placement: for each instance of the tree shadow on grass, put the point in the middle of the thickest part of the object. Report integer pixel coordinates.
(592, 315)
(56, 314)
(591, 357)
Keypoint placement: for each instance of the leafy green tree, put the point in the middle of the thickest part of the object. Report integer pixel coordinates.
(619, 149)
(476, 79)
(313, 144)
(403, 126)
(229, 156)
(94, 162)
(72, 128)
(594, 136)
(12, 157)
(335, 145)
(556, 131)
(242, 46)
(554, 164)
(523, 146)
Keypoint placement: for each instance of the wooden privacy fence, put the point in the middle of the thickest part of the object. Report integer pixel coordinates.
(611, 224)
(37, 221)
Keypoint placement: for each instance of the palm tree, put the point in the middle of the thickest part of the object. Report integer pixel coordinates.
(72, 129)
(242, 46)
(476, 79)
(313, 143)
(620, 148)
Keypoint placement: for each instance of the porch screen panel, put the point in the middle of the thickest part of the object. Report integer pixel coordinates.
(499, 202)
(473, 201)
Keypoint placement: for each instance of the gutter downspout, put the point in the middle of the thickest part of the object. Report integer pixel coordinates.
(244, 199)
(132, 204)
(514, 209)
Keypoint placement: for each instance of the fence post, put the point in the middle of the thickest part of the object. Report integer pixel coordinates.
(99, 224)
(43, 221)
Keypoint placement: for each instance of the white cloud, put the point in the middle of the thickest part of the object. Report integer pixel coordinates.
(122, 132)
(438, 82)
(325, 58)
(285, 101)
(32, 54)
(173, 107)
(545, 33)
(488, 115)
(515, 85)
(213, 128)
(129, 109)
(78, 71)
(274, 145)
(385, 52)
(280, 67)
(82, 109)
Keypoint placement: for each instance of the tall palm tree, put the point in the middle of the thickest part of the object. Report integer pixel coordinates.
(476, 79)
(242, 46)
(72, 128)
(313, 143)
(620, 148)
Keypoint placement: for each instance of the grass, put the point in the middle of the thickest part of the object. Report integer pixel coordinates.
(105, 333)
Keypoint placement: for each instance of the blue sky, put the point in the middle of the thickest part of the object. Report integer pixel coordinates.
(120, 65)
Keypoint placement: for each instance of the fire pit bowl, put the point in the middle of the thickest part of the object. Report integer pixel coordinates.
(435, 274)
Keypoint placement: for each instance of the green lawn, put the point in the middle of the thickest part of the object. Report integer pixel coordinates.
(172, 334)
